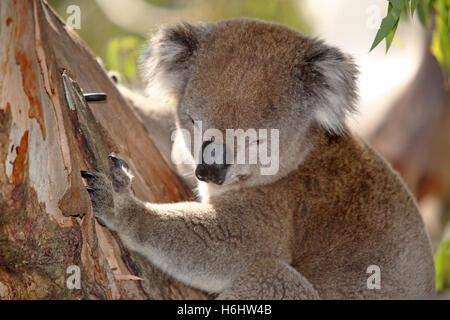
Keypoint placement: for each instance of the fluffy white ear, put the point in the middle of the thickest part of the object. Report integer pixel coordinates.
(333, 86)
(167, 60)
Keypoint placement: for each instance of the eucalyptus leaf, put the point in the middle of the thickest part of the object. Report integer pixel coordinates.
(442, 262)
(389, 23)
(423, 9)
(448, 20)
(413, 6)
(390, 37)
(398, 4)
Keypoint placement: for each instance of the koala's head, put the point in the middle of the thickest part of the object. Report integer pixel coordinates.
(250, 75)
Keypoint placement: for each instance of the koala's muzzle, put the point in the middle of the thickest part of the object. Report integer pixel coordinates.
(213, 166)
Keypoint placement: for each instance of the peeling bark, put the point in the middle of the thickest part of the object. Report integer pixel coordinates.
(48, 134)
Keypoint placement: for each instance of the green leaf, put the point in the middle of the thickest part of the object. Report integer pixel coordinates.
(448, 20)
(440, 45)
(390, 37)
(398, 4)
(413, 6)
(389, 24)
(442, 262)
(424, 11)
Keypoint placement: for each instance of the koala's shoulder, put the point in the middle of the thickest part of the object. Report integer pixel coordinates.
(351, 175)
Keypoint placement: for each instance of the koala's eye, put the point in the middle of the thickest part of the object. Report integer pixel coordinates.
(192, 120)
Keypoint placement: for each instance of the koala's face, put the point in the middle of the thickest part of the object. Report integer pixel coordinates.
(250, 92)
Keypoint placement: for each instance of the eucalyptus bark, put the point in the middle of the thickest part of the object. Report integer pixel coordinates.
(415, 137)
(48, 133)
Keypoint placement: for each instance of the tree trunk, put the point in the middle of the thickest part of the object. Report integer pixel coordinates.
(48, 134)
(415, 138)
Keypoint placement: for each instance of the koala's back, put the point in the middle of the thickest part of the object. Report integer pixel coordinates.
(351, 211)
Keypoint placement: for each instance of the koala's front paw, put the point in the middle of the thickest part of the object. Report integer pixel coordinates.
(100, 190)
(103, 190)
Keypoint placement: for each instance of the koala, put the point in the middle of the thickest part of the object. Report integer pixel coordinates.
(334, 221)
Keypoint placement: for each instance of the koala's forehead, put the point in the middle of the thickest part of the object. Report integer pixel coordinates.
(247, 65)
(246, 51)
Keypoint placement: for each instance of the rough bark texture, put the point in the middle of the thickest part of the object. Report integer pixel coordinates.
(47, 135)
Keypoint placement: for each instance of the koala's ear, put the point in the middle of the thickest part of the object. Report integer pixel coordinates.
(166, 61)
(330, 76)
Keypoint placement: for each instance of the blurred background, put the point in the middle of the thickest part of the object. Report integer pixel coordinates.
(404, 96)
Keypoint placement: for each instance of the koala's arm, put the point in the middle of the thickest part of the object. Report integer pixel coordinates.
(192, 241)
(173, 236)
(200, 244)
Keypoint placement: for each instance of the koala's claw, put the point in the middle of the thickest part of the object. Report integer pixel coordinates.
(118, 162)
(90, 189)
(87, 174)
(120, 174)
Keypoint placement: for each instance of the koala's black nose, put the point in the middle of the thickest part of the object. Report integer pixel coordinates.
(213, 166)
